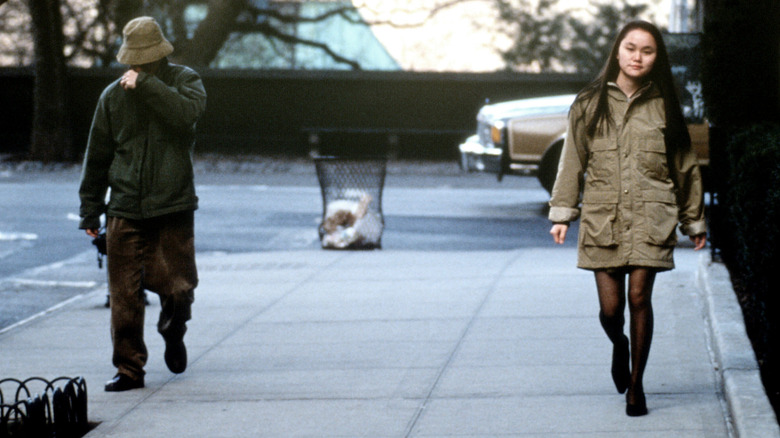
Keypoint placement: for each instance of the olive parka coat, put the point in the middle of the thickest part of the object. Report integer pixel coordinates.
(140, 145)
(634, 194)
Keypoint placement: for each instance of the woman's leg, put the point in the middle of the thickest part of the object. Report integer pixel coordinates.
(612, 302)
(640, 291)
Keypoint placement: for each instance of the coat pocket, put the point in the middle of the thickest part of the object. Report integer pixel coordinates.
(661, 223)
(652, 161)
(602, 161)
(598, 224)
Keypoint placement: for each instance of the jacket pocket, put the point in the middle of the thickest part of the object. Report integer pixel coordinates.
(652, 161)
(602, 160)
(598, 224)
(661, 223)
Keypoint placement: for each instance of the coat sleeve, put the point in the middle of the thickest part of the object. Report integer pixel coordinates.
(690, 194)
(564, 203)
(180, 105)
(94, 172)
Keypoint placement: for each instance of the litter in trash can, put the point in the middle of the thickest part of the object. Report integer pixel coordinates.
(352, 202)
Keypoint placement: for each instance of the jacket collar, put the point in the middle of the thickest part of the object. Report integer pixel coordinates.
(648, 90)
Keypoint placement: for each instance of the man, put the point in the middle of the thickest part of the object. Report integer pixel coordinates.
(140, 146)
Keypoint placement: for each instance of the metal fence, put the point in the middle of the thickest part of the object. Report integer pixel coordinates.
(40, 408)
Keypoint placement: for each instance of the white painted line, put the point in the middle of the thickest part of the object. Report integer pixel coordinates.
(54, 283)
(45, 312)
(18, 236)
(32, 272)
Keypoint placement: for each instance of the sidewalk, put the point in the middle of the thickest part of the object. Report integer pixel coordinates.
(409, 343)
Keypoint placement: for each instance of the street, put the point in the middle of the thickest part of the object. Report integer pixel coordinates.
(269, 206)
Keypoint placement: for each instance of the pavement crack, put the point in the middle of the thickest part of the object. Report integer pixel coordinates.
(490, 290)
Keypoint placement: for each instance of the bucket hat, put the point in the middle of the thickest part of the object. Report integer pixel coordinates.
(143, 42)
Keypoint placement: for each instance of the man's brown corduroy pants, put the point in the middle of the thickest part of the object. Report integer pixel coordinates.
(158, 255)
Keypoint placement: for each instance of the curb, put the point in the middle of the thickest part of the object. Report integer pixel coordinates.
(736, 366)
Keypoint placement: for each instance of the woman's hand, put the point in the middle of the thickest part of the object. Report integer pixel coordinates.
(93, 232)
(558, 232)
(699, 241)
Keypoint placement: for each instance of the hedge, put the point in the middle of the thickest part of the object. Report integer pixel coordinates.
(752, 203)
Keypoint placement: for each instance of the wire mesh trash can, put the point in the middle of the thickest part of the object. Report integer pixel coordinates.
(351, 201)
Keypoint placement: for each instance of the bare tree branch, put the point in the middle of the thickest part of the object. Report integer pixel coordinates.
(351, 14)
(433, 12)
(291, 18)
(95, 36)
(273, 32)
(224, 18)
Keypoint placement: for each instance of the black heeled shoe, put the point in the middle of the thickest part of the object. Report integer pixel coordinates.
(621, 374)
(637, 409)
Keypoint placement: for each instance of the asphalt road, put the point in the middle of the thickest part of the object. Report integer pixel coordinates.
(251, 206)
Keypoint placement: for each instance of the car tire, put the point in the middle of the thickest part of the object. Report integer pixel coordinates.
(548, 166)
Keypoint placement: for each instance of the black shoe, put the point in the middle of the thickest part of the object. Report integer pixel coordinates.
(638, 409)
(121, 382)
(175, 355)
(620, 372)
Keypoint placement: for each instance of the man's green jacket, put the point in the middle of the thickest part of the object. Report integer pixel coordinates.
(140, 146)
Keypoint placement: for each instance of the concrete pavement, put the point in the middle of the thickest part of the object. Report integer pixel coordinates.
(391, 343)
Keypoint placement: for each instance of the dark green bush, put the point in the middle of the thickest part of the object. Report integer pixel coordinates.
(752, 201)
(754, 198)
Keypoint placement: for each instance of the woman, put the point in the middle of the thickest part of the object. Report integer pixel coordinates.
(629, 153)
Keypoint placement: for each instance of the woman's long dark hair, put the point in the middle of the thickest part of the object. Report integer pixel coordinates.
(676, 134)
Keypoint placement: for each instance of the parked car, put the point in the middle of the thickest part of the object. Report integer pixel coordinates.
(525, 137)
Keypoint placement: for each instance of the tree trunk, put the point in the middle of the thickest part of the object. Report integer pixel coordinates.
(51, 139)
(211, 34)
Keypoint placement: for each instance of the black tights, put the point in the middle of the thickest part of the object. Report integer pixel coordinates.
(611, 287)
